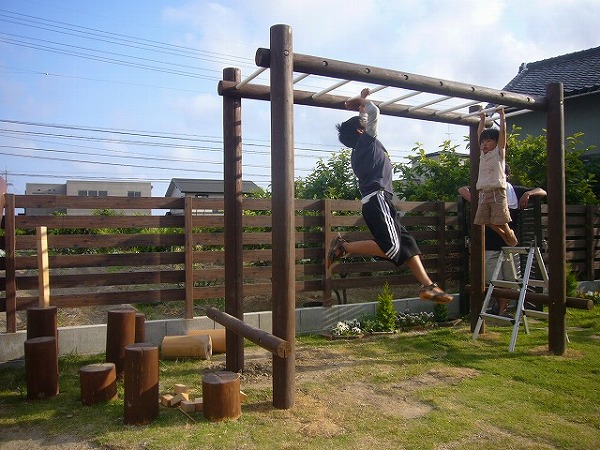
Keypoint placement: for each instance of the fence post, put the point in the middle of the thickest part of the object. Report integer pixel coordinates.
(589, 242)
(442, 236)
(189, 258)
(464, 255)
(10, 255)
(327, 236)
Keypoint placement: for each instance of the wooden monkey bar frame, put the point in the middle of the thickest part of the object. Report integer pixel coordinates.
(283, 63)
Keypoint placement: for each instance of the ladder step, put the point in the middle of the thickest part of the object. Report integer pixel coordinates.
(506, 284)
(496, 317)
(516, 250)
(518, 284)
(535, 314)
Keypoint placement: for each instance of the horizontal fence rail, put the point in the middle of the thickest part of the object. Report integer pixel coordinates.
(117, 250)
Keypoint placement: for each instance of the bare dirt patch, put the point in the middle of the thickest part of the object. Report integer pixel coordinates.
(393, 399)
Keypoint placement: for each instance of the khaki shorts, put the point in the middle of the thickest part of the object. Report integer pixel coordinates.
(492, 208)
(506, 273)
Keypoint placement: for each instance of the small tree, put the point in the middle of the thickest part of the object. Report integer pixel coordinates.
(385, 312)
(440, 312)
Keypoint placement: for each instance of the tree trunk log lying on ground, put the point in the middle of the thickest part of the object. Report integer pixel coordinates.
(217, 336)
(98, 383)
(221, 395)
(186, 347)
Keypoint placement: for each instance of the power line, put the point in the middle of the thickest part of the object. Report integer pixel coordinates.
(117, 38)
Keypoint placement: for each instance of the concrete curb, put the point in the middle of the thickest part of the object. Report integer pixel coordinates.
(91, 339)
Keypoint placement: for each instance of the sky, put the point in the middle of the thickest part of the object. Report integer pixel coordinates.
(118, 90)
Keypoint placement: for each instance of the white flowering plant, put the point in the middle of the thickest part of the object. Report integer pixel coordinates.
(407, 319)
(347, 328)
(591, 295)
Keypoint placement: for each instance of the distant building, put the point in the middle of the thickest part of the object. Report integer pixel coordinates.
(202, 188)
(580, 74)
(88, 189)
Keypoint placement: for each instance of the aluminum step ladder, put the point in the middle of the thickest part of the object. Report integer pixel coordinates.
(522, 281)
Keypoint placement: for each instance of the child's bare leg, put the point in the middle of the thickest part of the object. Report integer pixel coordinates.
(505, 233)
(429, 291)
(364, 248)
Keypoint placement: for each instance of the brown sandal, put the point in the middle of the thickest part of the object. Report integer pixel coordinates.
(429, 293)
(336, 250)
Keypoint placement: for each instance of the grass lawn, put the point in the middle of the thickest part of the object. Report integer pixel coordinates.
(436, 389)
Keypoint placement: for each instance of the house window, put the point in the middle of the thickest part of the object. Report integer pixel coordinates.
(82, 193)
(92, 193)
(102, 193)
(134, 193)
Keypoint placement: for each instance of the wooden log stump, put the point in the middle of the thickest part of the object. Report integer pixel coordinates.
(42, 321)
(217, 336)
(173, 347)
(41, 367)
(140, 328)
(120, 332)
(98, 383)
(221, 395)
(141, 384)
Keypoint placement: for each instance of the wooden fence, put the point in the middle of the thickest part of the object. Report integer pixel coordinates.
(119, 257)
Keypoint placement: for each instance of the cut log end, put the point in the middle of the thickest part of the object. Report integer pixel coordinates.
(221, 395)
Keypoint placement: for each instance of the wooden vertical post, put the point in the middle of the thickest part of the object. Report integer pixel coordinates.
(120, 332)
(221, 395)
(233, 193)
(11, 276)
(189, 258)
(441, 243)
(328, 236)
(590, 241)
(97, 383)
(43, 270)
(140, 384)
(463, 226)
(41, 367)
(42, 321)
(557, 284)
(140, 328)
(477, 235)
(282, 178)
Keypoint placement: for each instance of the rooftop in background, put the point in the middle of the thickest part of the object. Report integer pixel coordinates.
(579, 72)
(203, 187)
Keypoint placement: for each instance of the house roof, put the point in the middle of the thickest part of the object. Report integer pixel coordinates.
(204, 186)
(579, 72)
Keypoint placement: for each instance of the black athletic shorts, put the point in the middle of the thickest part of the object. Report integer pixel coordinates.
(383, 222)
